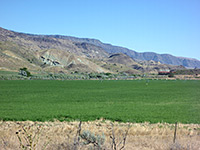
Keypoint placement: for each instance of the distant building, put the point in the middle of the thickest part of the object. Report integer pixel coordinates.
(164, 72)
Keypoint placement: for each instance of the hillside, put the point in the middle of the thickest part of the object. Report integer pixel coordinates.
(44, 53)
(55, 53)
(13, 57)
(143, 66)
(162, 58)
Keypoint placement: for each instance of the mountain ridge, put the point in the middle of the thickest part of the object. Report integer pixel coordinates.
(163, 58)
(111, 49)
(66, 53)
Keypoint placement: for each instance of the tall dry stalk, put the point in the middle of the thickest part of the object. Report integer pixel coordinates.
(122, 143)
(28, 138)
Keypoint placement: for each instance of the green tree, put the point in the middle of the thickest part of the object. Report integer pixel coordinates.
(24, 72)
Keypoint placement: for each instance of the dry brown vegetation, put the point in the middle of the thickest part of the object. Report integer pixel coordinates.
(62, 135)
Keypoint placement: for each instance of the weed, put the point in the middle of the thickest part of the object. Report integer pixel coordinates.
(121, 144)
(28, 137)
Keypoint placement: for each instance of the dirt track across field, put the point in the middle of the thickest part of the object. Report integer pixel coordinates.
(62, 135)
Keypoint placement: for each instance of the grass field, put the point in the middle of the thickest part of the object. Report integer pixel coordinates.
(135, 101)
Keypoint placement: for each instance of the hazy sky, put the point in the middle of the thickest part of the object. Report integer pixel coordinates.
(162, 26)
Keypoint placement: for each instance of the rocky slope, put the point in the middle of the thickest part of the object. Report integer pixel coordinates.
(162, 58)
(66, 54)
(45, 53)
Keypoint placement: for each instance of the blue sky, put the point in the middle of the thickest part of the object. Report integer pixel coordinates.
(162, 26)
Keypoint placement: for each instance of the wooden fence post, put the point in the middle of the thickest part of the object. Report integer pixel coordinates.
(175, 132)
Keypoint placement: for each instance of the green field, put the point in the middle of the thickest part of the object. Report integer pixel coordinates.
(135, 101)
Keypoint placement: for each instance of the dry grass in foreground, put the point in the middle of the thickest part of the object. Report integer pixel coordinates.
(64, 135)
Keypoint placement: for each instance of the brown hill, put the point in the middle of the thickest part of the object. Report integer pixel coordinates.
(68, 61)
(121, 58)
(127, 64)
(13, 57)
(145, 56)
(41, 42)
(55, 53)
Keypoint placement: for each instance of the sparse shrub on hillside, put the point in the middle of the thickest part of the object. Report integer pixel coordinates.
(99, 76)
(108, 74)
(76, 72)
(171, 75)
